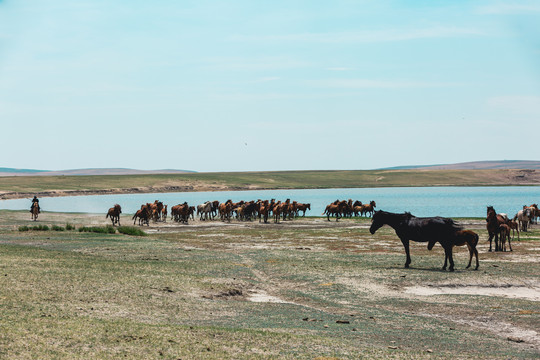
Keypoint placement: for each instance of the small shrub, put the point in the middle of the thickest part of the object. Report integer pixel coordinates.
(130, 230)
(40, 228)
(24, 228)
(70, 227)
(98, 229)
(58, 228)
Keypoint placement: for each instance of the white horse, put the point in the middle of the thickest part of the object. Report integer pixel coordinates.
(204, 210)
(523, 217)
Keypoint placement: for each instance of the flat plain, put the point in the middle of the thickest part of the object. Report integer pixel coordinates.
(303, 289)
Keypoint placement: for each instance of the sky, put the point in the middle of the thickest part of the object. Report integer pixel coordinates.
(211, 85)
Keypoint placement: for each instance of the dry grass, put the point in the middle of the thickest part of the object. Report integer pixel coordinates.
(188, 292)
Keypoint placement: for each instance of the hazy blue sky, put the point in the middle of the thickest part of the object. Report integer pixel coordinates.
(267, 85)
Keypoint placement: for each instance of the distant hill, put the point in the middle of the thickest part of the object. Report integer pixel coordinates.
(82, 172)
(476, 165)
(12, 171)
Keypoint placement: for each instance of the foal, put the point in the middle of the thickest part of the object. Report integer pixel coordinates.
(469, 238)
(505, 234)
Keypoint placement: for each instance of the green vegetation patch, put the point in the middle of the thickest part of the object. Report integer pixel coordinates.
(130, 230)
(98, 229)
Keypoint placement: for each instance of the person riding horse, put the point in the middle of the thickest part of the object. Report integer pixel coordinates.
(35, 202)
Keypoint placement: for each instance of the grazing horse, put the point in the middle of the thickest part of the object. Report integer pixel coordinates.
(523, 217)
(114, 214)
(469, 238)
(427, 229)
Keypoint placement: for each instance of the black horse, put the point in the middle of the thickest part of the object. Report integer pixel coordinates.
(422, 229)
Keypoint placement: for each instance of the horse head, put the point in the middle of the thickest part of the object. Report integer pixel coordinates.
(377, 221)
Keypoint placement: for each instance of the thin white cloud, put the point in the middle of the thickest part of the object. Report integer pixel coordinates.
(268, 79)
(377, 84)
(339, 69)
(253, 64)
(517, 105)
(509, 8)
(365, 36)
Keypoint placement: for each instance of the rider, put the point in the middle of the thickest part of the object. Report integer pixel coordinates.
(35, 202)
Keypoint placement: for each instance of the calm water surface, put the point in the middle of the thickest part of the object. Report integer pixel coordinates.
(420, 201)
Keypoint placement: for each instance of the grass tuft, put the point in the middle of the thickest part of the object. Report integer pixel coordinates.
(58, 228)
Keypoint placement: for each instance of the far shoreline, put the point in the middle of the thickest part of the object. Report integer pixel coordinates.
(21, 187)
(154, 190)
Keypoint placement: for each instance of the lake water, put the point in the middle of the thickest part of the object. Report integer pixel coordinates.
(420, 201)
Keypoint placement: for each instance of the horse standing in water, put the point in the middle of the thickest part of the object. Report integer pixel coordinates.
(427, 229)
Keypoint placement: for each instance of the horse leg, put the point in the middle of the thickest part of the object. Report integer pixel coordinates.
(509, 244)
(407, 252)
(490, 239)
(470, 255)
(448, 254)
(445, 261)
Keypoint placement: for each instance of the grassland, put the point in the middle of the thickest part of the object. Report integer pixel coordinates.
(303, 289)
(23, 186)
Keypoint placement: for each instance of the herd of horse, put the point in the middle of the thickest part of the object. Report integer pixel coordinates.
(499, 225)
(348, 208)
(406, 226)
(210, 210)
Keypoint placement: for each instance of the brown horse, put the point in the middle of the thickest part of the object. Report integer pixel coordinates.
(303, 207)
(504, 233)
(265, 208)
(35, 211)
(143, 214)
(514, 226)
(469, 238)
(335, 209)
(276, 211)
(114, 214)
(493, 223)
(180, 212)
(368, 208)
(225, 210)
(164, 213)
